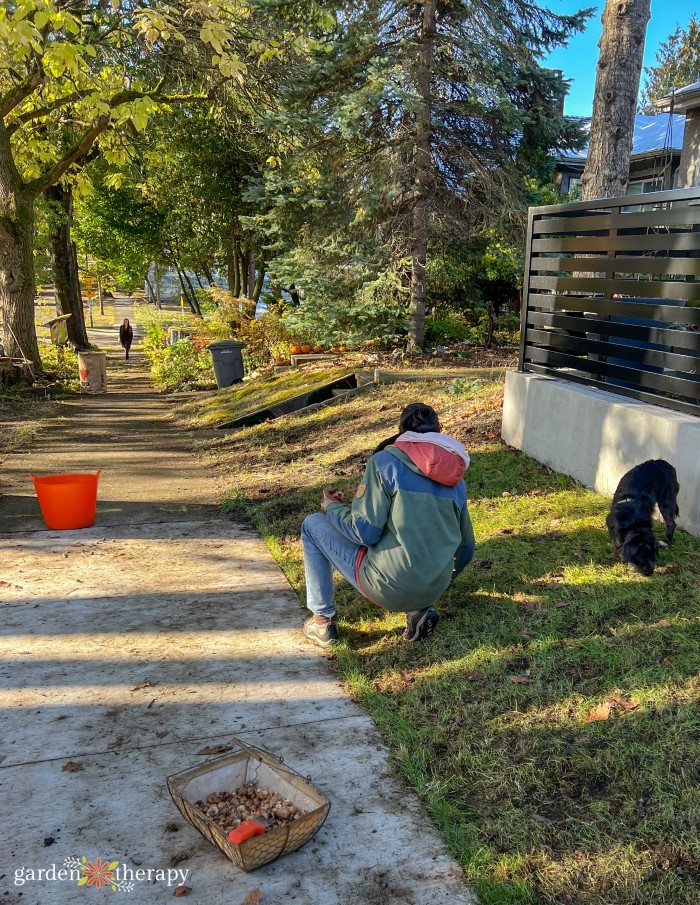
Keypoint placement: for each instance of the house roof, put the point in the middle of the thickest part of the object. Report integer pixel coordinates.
(651, 133)
(684, 99)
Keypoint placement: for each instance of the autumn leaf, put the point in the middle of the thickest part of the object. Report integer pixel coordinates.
(520, 680)
(664, 623)
(146, 684)
(182, 890)
(625, 703)
(253, 898)
(601, 712)
(72, 767)
(215, 749)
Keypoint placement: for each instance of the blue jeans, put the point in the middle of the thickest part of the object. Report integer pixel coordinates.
(325, 548)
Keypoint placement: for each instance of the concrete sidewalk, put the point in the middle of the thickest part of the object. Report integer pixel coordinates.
(166, 590)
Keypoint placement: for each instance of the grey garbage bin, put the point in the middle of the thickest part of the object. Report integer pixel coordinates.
(227, 358)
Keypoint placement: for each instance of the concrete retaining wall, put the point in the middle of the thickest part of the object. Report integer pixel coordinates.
(596, 436)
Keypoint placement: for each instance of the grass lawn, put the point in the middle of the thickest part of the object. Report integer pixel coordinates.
(490, 720)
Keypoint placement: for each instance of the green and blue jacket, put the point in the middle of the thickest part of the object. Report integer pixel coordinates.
(411, 519)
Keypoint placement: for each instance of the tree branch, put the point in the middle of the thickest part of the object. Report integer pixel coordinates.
(44, 111)
(17, 94)
(38, 185)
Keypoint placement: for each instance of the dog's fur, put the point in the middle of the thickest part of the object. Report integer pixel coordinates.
(629, 521)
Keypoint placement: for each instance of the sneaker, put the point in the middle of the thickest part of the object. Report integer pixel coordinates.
(420, 624)
(322, 630)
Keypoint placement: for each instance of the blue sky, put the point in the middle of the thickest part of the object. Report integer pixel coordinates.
(580, 58)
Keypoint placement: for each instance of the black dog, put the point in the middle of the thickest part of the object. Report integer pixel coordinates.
(629, 520)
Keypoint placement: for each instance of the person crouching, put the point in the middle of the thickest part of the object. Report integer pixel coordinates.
(404, 538)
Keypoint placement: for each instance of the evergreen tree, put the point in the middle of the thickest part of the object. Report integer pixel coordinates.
(413, 119)
(677, 65)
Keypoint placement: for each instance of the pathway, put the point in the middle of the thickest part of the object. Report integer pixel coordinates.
(168, 594)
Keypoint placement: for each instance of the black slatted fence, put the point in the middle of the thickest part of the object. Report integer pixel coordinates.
(612, 296)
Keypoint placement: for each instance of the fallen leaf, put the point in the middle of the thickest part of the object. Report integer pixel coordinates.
(182, 890)
(162, 734)
(520, 680)
(216, 749)
(664, 623)
(4, 584)
(476, 676)
(253, 898)
(601, 712)
(146, 684)
(625, 703)
(72, 767)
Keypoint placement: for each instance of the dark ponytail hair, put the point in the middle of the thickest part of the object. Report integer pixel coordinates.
(417, 417)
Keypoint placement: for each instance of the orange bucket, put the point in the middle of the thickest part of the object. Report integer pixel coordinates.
(67, 501)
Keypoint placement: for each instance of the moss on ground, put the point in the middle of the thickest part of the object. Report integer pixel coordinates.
(217, 407)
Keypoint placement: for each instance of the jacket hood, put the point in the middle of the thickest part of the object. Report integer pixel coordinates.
(438, 456)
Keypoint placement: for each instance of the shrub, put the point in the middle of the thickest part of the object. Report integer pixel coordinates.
(265, 337)
(180, 365)
(60, 363)
(445, 328)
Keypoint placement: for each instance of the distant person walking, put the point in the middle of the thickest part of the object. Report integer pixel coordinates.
(126, 335)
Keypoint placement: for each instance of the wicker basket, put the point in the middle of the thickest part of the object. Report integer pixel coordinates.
(240, 767)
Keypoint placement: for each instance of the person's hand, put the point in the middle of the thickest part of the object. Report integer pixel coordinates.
(330, 495)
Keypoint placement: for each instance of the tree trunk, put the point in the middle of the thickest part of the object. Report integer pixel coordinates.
(149, 291)
(615, 101)
(423, 163)
(66, 280)
(241, 260)
(206, 270)
(251, 271)
(260, 279)
(193, 295)
(17, 287)
(17, 282)
(235, 286)
(185, 293)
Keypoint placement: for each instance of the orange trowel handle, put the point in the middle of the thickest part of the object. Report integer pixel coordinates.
(246, 830)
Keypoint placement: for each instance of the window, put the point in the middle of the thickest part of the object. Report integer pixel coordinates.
(641, 188)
